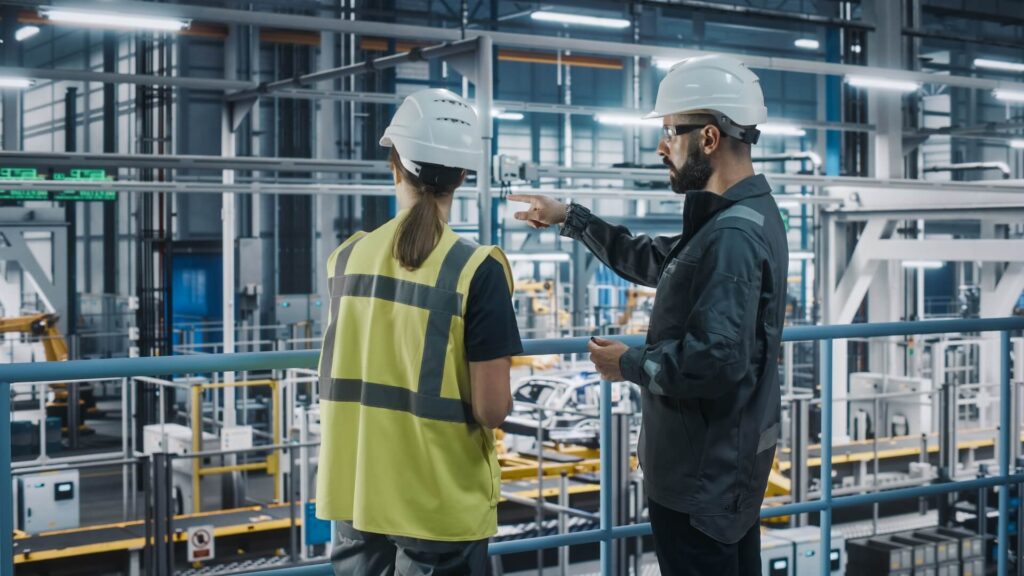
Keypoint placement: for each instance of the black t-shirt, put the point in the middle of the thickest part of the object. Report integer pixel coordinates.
(491, 329)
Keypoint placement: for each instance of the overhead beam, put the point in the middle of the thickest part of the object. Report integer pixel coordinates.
(188, 162)
(443, 50)
(850, 183)
(961, 250)
(526, 41)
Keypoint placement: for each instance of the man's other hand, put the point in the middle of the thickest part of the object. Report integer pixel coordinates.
(605, 355)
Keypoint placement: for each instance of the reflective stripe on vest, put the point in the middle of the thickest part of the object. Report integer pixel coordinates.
(441, 301)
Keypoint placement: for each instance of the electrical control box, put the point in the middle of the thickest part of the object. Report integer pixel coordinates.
(806, 542)
(874, 556)
(924, 550)
(48, 501)
(235, 437)
(776, 556)
(947, 549)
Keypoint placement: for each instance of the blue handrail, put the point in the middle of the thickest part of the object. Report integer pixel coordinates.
(120, 368)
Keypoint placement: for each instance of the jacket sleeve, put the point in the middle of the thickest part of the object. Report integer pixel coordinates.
(718, 344)
(638, 259)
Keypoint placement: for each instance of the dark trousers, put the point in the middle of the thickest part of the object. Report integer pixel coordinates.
(367, 554)
(685, 551)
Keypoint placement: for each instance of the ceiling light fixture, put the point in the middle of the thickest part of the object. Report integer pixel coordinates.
(580, 19)
(781, 130)
(1008, 95)
(16, 82)
(882, 83)
(807, 43)
(998, 65)
(502, 115)
(108, 20)
(26, 32)
(624, 120)
(924, 264)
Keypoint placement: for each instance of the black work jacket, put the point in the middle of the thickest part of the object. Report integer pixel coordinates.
(709, 369)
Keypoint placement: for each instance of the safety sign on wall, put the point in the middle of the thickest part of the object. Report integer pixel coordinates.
(200, 543)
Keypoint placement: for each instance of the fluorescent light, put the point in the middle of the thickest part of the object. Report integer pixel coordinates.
(1018, 144)
(998, 65)
(109, 20)
(15, 82)
(26, 32)
(1008, 95)
(807, 43)
(924, 264)
(882, 83)
(538, 257)
(624, 120)
(781, 130)
(565, 18)
(801, 255)
(502, 115)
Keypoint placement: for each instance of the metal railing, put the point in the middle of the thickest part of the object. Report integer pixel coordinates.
(607, 533)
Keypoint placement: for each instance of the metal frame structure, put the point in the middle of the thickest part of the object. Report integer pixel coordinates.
(607, 532)
(270, 465)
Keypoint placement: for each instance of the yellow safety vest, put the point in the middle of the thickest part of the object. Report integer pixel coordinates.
(401, 453)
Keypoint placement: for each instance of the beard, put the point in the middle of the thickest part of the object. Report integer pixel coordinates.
(695, 173)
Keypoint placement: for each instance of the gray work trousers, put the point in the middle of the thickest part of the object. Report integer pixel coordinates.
(359, 553)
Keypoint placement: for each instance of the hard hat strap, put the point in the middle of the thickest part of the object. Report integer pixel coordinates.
(731, 129)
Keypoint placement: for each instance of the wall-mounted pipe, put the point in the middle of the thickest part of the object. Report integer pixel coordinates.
(970, 166)
(813, 157)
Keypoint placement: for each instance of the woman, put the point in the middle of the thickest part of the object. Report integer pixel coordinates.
(414, 371)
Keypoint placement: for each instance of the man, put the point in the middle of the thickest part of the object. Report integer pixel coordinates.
(414, 372)
(709, 367)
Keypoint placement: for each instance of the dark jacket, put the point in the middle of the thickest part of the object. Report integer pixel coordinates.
(709, 369)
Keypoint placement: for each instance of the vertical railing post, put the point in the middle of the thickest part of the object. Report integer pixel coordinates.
(606, 477)
(1003, 550)
(826, 454)
(6, 489)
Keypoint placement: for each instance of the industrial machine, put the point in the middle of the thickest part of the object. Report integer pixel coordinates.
(907, 415)
(177, 439)
(806, 544)
(48, 501)
(776, 556)
(42, 326)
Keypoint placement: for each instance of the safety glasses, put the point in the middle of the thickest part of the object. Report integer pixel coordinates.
(669, 132)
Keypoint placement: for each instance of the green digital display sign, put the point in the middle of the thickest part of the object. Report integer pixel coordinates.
(72, 175)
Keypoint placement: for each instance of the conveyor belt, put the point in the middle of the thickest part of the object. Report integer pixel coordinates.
(898, 447)
(131, 535)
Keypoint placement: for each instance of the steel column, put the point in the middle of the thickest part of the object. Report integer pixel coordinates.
(605, 446)
(825, 349)
(1005, 407)
(484, 104)
(6, 488)
(227, 145)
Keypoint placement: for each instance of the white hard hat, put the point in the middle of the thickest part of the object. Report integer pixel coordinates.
(434, 126)
(717, 83)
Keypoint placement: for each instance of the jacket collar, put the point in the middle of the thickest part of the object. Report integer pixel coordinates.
(749, 187)
(701, 205)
